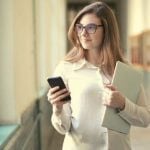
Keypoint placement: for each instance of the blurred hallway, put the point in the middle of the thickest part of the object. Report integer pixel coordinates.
(33, 39)
(140, 138)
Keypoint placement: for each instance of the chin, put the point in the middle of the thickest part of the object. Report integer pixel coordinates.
(86, 47)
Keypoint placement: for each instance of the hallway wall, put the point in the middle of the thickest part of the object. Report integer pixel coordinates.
(139, 36)
(24, 55)
(138, 18)
(6, 63)
(33, 40)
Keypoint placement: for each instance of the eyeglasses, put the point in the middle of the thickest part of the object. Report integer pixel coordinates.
(90, 28)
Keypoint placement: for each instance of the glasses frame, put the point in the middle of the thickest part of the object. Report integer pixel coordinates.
(86, 27)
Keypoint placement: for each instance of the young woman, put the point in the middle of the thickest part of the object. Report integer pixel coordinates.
(87, 71)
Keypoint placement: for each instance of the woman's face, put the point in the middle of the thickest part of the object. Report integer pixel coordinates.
(89, 39)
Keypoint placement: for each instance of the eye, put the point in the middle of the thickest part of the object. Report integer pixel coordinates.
(91, 26)
(79, 26)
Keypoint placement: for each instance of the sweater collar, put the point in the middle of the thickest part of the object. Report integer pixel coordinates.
(83, 63)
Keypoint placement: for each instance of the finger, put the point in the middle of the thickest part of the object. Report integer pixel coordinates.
(111, 87)
(60, 98)
(54, 89)
(58, 93)
(51, 91)
(57, 96)
(107, 97)
(106, 103)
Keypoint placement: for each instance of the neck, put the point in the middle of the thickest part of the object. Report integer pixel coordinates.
(92, 56)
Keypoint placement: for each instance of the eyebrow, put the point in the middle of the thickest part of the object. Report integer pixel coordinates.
(90, 23)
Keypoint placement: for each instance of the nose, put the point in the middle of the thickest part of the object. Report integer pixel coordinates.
(84, 32)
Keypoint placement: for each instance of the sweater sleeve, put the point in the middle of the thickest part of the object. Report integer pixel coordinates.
(62, 121)
(137, 114)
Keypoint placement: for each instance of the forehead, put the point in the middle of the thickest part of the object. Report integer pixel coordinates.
(90, 18)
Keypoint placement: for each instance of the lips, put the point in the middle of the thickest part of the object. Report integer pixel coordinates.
(86, 40)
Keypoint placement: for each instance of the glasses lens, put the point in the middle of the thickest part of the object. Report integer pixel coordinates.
(79, 28)
(91, 28)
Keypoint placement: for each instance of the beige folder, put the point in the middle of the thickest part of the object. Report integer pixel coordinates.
(127, 80)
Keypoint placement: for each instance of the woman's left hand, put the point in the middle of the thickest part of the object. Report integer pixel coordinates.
(114, 98)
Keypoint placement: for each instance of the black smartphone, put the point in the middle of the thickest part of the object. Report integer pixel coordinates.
(58, 81)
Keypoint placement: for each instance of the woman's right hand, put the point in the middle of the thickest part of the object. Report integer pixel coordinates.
(55, 97)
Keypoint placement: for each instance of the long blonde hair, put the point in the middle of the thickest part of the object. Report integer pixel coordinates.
(110, 51)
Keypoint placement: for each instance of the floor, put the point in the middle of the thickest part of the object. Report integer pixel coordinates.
(140, 138)
(5, 132)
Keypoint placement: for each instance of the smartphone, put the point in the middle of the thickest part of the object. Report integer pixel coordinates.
(58, 81)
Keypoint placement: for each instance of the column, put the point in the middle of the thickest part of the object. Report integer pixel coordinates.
(7, 95)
